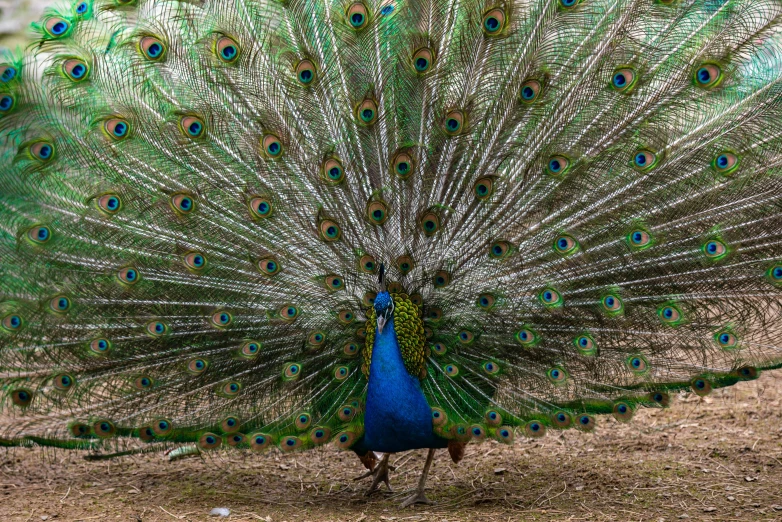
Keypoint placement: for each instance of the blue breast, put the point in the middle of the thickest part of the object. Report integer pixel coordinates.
(397, 417)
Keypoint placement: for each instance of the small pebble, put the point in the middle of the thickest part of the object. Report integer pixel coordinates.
(731, 498)
(220, 512)
(709, 509)
(684, 515)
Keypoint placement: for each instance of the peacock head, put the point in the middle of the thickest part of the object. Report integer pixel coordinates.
(384, 304)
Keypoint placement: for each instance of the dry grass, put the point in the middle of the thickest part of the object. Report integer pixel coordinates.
(718, 458)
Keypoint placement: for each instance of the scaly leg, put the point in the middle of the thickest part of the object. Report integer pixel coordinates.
(419, 497)
(379, 474)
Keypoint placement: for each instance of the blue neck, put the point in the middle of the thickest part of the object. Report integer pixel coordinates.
(397, 418)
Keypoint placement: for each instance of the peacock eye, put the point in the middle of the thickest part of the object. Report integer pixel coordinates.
(63, 382)
(492, 368)
(39, 234)
(708, 75)
(644, 160)
(76, 70)
(639, 239)
(152, 49)
(670, 315)
(231, 389)
(367, 264)
(7, 104)
(405, 264)
(227, 50)
(403, 164)
(334, 282)
(726, 163)
(156, 328)
(209, 441)
(357, 15)
(221, 319)
(493, 22)
(162, 426)
(271, 145)
(483, 188)
(42, 151)
(195, 261)
(585, 344)
(715, 249)
(192, 126)
(530, 91)
(128, 275)
(727, 340)
(423, 59)
(100, 346)
(57, 27)
(81, 8)
(499, 250)
(526, 336)
(22, 397)
(291, 371)
(557, 166)
(622, 412)
(367, 112)
(12, 323)
(59, 304)
(466, 337)
(269, 266)
(451, 370)
(7, 73)
(623, 79)
(557, 375)
(182, 203)
(612, 304)
(116, 128)
(109, 204)
(250, 349)
(377, 212)
(565, 244)
(439, 348)
(486, 301)
(637, 364)
(332, 171)
(289, 312)
(550, 298)
(775, 274)
(700, 386)
(568, 4)
(454, 123)
(197, 366)
(260, 207)
(441, 279)
(305, 72)
(430, 223)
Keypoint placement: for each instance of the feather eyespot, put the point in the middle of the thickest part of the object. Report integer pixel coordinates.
(367, 264)
(332, 171)
(477, 432)
(535, 429)
(644, 160)
(486, 302)
(466, 337)
(439, 349)
(227, 50)
(454, 123)
(192, 126)
(366, 112)
(75, 69)
(670, 315)
(197, 366)
(622, 412)
(7, 73)
(504, 434)
(430, 223)
(57, 27)
(377, 212)
(530, 91)
(7, 104)
(557, 376)
(491, 368)
(726, 339)
(22, 397)
(250, 349)
(612, 304)
(42, 151)
(100, 346)
(434, 314)
(639, 239)
(316, 340)
(230, 389)
(305, 72)
(357, 15)
(63, 382)
(162, 427)
(329, 230)
(109, 204)
(483, 188)
(715, 250)
(341, 373)
(128, 275)
(557, 166)
(494, 22)
(182, 204)
(209, 441)
(500, 250)
(346, 439)
(289, 312)
(623, 79)
(345, 317)
(78, 429)
(585, 344)
(195, 261)
(661, 398)
(417, 299)
(269, 266)
(59, 304)
(708, 75)
(334, 282)
(156, 329)
(82, 8)
(12, 323)
(423, 59)
(104, 429)
(291, 371)
(146, 434)
(439, 417)
(346, 413)
(260, 207)
(726, 163)
(451, 370)
(152, 49)
(527, 337)
(566, 245)
(260, 441)
(701, 386)
(561, 420)
(441, 279)
(747, 373)
(569, 4)
(221, 319)
(236, 440)
(551, 298)
(774, 274)
(405, 264)
(637, 364)
(350, 349)
(320, 435)
(403, 164)
(585, 423)
(271, 145)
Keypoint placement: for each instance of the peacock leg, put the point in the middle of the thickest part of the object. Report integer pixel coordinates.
(419, 497)
(379, 474)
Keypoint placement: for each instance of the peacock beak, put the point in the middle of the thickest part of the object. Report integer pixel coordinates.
(381, 322)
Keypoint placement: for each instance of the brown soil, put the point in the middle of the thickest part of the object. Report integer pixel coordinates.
(718, 458)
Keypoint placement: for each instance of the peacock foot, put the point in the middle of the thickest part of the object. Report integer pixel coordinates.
(416, 498)
(379, 474)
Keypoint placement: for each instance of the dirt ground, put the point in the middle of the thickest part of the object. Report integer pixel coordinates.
(717, 458)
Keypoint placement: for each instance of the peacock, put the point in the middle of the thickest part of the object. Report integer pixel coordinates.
(272, 225)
